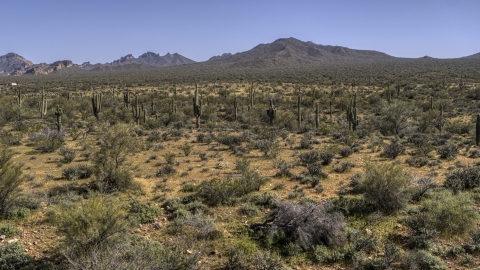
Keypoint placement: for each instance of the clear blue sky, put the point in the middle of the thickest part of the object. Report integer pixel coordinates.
(101, 31)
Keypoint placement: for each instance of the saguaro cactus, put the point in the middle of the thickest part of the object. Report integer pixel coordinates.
(352, 117)
(58, 114)
(431, 103)
(235, 106)
(19, 96)
(136, 111)
(299, 111)
(43, 105)
(197, 107)
(317, 116)
(96, 104)
(477, 130)
(271, 112)
(252, 97)
(126, 98)
(173, 109)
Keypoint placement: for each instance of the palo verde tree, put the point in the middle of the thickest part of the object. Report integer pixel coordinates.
(115, 143)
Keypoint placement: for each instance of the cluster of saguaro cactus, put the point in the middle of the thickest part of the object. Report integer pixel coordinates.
(126, 98)
(352, 117)
(197, 107)
(136, 111)
(271, 112)
(96, 104)
(43, 105)
(58, 114)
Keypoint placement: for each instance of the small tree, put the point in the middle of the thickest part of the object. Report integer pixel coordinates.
(10, 179)
(385, 186)
(115, 143)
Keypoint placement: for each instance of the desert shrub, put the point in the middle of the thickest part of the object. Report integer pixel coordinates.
(12, 256)
(98, 220)
(283, 168)
(265, 199)
(268, 147)
(18, 212)
(309, 157)
(463, 179)
(115, 143)
(417, 162)
(448, 151)
(9, 230)
(326, 157)
(169, 158)
(198, 224)
(133, 252)
(419, 139)
(343, 167)
(8, 138)
(48, 140)
(420, 259)
(307, 141)
(154, 136)
(10, 179)
(186, 148)
(249, 210)
(218, 191)
(165, 170)
(80, 171)
(315, 169)
(144, 213)
(392, 150)
(204, 138)
(444, 213)
(306, 225)
(423, 185)
(458, 127)
(345, 151)
(386, 186)
(265, 260)
(68, 154)
(393, 118)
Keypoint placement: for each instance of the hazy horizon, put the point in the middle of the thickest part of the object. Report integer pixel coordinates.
(100, 32)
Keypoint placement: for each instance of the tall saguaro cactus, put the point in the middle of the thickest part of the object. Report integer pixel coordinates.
(352, 117)
(96, 104)
(43, 105)
(477, 130)
(136, 111)
(126, 98)
(271, 112)
(235, 106)
(58, 114)
(317, 116)
(197, 107)
(252, 97)
(299, 111)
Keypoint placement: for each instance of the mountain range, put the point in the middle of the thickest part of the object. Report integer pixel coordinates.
(284, 52)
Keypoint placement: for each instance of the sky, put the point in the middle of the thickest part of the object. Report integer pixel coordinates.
(101, 31)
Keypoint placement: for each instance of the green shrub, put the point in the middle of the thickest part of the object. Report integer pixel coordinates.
(97, 220)
(18, 212)
(68, 154)
(448, 151)
(10, 179)
(386, 186)
(48, 140)
(12, 256)
(9, 230)
(392, 150)
(447, 214)
(80, 171)
(462, 179)
(421, 259)
(144, 213)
